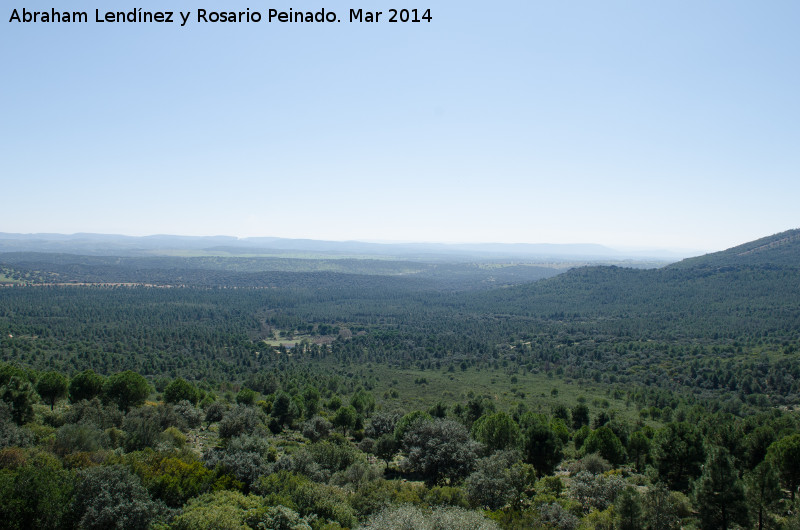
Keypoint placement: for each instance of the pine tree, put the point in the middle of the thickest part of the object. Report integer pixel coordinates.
(762, 489)
(719, 494)
(628, 507)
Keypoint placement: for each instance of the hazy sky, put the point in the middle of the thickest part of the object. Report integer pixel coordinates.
(625, 123)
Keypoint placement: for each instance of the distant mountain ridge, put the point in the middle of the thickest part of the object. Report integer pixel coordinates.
(109, 244)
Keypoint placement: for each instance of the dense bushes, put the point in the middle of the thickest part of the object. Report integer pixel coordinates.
(88, 464)
(112, 497)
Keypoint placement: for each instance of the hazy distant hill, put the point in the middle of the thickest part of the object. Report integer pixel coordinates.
(116, 245)
(751, 287)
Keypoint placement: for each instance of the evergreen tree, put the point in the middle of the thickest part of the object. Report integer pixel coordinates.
(85, 385)
(629, 509)
(52, 386)
(246, 396)
(311, 401)
(762, 490)
(345, 418)
(660, 509)
(605, 442)
(541, 446)
(20, 396)
(785, 457)
(639, 449)
(180, 389)
(580, 416)
(678, 454)
(284, 410)
(126, 389)
(496, 431)
(719, 494)
(363, 402)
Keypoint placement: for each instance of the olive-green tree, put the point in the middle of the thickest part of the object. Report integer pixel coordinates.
(52, 386)
(180, 389)
(85, 385)
(604, 442)
(496, 431)
(126, 389)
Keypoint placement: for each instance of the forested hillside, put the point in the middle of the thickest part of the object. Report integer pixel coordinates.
(779, 250)
(294, 393)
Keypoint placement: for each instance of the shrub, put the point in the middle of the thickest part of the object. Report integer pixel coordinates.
(244, 457)
(142, 428)
(307, 498)
(36, 493)
(276, 518)
(175, 479)
(94, 413)
(555, 515)
(316, 428)
(241, 420)
(221, 510)
(215, 411)
(333, 457)
(593, 463)
(189, 415)
(356, 475)
(595, 491)
(440, 449)
(12, 435)
(499, 479)
(381, 423)
(112, 497)
(441, 518)
(73, 438)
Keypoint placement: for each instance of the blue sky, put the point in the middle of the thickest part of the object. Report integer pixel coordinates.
(625, 123)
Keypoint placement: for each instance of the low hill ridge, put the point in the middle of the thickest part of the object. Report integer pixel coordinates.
(782, 249)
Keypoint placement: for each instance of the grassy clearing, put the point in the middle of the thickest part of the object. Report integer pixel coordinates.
(413, 389)
(289, 343)
(8, 280)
